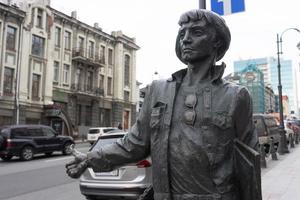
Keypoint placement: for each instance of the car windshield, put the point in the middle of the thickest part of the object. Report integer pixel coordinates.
(105, 141)
(94, 131)
(108, 130)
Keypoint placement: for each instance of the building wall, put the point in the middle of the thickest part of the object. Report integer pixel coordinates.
(83, 97)
(252, 78)
(268, 65)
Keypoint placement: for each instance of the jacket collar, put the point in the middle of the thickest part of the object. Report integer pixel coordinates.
(217, 73)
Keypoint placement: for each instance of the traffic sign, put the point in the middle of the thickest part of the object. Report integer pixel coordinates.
(227, 7)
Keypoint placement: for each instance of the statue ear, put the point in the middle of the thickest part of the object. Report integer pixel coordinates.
(218, 44)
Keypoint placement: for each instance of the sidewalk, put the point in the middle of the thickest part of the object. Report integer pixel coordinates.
(281, 178)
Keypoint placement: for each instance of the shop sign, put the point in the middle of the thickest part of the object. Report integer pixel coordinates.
(53, 112)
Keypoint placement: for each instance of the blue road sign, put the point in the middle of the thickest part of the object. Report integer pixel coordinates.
(227, 7)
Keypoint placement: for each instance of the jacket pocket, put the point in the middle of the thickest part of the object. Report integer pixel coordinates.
(222, 120)
(157, 114)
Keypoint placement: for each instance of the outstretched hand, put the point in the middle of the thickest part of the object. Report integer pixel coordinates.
(77, 166)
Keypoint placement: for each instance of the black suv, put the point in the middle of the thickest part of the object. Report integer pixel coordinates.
(267, 130)
(26, 140)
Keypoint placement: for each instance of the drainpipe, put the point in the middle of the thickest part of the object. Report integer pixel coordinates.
(2, 51)
(17, 85)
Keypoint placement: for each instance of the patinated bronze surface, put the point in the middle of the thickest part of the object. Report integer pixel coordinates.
(190, 124)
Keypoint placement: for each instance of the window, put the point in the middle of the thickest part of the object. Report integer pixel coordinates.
(67, 40)
(109, 84)
(57, 36)
(101, 82)
(39, 18)
(48, 132)
(78, 78)
(126, 95)
(89, 81)
(35, 132)
(56, 71)
(35, 86)
(102, 54)
(19, 133)
(66, 72)
(88, 115)
(8, 81)
(91, 49)
(11, 38)
(126, 70)
(80, 43)
(38, 44)
(110, 56)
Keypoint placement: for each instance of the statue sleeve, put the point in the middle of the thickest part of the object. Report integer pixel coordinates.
(243, 119)
(134, 146)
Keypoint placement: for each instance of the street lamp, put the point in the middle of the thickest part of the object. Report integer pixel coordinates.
(282, 145)
(202, 4)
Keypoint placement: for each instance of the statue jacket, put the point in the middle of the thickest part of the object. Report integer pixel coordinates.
(227, 112)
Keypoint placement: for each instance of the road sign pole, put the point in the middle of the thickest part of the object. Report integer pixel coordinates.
(202, 4)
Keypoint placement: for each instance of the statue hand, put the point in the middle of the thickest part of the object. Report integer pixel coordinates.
(77, 166)
(74, 169)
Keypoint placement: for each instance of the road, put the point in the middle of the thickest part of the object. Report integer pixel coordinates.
(42, 178)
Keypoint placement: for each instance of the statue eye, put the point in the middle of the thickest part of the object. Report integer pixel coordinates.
(181, 34)
(198, 32)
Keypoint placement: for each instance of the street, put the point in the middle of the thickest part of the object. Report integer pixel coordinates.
(42, 178)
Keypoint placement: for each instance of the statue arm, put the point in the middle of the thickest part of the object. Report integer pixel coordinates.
(243, 119)
(134, 146)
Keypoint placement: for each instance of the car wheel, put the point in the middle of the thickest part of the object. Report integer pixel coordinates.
(48, 153)
(67, 150)
(27, 153)
(267, 148)
(6, 158)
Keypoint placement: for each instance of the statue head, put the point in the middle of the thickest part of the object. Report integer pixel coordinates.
(202, 33)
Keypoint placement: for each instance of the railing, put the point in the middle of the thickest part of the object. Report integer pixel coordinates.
(88, 55)
(88, 89)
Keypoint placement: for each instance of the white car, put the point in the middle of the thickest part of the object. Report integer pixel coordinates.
(94, 133)
(126, 182)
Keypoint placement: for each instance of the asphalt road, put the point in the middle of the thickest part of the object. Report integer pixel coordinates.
(43, 178)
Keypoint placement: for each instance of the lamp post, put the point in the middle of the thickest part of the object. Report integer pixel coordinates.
(282, 144)
(202, 4)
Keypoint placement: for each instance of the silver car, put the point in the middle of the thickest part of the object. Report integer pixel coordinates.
(127, 182)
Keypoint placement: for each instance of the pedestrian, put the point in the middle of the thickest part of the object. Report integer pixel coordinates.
(120, 126)
(188, 123)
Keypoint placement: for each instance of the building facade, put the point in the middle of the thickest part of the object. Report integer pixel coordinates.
(59, 71)
(270, 104)
(253, 79)
(269, 67)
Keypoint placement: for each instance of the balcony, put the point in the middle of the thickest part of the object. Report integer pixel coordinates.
(87, 89)
(87, 56)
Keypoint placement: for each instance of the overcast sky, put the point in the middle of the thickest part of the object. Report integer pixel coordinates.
(154, 25)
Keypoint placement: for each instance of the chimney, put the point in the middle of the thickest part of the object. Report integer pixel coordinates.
(74, 14)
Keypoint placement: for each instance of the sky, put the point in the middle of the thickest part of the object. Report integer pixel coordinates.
(154, 24)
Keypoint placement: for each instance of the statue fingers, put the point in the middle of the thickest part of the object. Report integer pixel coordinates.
(73, 162)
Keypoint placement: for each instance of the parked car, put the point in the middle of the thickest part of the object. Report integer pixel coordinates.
(126, 182)
(95, 132)
(267, 130)
(26, 140)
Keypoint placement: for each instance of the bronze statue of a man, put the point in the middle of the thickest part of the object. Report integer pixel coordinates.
(188, 123)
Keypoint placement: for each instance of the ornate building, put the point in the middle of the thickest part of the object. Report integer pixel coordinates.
(59, 71)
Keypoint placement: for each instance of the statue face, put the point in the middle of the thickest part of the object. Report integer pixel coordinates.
(197, 41)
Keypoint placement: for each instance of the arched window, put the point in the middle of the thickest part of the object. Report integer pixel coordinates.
(127, 70)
